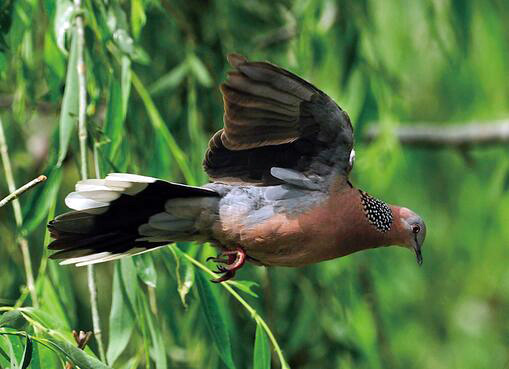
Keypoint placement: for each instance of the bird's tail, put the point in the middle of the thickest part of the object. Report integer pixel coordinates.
(126, 214)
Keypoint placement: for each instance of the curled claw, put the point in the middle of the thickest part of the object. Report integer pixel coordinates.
(221, 269)
(226, 276)
(218, 260)
(234, 261)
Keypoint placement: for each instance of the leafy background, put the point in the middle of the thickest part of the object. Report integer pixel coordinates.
(152, 74)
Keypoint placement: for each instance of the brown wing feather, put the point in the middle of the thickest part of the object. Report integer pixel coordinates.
(275, 118)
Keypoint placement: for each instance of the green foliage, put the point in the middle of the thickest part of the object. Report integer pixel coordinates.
(122, 313)
(69, 115)
(214, 317)
(261, 352)
(30, 353)
(152, 74)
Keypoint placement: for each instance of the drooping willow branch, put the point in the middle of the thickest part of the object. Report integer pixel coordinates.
(82, 131)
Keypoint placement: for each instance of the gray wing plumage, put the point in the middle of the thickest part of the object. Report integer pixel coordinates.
(274, 118)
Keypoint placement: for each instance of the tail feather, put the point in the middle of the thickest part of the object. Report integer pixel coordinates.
(125, 214)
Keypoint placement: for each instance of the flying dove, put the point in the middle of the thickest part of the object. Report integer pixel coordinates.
(279, 195)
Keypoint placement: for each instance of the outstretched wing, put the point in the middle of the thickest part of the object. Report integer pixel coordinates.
(274, 118)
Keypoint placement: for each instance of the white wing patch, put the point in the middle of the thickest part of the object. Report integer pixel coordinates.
(76, 201)
(126, 177)
(98, 193)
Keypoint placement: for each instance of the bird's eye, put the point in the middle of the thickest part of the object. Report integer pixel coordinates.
(416, 228)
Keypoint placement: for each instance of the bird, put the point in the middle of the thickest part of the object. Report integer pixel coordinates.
(279, 191)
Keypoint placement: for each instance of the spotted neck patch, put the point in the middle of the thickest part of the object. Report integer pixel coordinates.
(378, 212)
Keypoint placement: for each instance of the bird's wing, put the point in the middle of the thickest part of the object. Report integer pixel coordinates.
(273, 120)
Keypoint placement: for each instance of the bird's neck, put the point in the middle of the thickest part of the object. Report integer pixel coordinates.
(372, 223)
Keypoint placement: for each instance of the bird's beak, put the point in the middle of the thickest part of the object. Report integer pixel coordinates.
(417, 250)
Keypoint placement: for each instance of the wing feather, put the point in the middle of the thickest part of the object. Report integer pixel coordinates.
(274, 118)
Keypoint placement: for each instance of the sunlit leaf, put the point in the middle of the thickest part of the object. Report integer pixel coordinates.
(125, 82)
(170, 80)
(69, 113)
(245, 286)
(115, 116)
(62, 283)
(199, 70)
(186, 281)
(52, 305)
(261, 352)
(159, 347)
(140, 56)
(121, 317)
(5, 352)
(130, 282)
(63, 22)
(77, 356)
(117, 23)
(16, 350)
(184, 272)
(4, 356)
(214, 319)
(138, 17)
(42, 317)
(10, 318)
(55, 61)
(146, 269)
(124, 41)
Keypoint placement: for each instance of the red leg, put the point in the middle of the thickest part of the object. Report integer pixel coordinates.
(234, 261)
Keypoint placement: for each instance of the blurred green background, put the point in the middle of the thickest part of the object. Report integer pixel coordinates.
(152, 74)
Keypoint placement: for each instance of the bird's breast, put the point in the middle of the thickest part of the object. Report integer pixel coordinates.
(318, 233)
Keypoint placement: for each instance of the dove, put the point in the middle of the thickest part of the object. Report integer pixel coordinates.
(279, 191)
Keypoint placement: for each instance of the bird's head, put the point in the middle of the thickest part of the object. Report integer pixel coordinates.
(412, 232)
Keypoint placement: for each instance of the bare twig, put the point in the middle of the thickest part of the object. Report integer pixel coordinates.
(20, 191)
(457, 135)
(23, 244)
(96, 322)
(82, 115)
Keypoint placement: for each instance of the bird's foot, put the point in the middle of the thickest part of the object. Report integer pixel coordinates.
(228, 266)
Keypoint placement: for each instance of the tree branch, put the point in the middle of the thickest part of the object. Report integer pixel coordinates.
(20, 191)
(458, 135)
